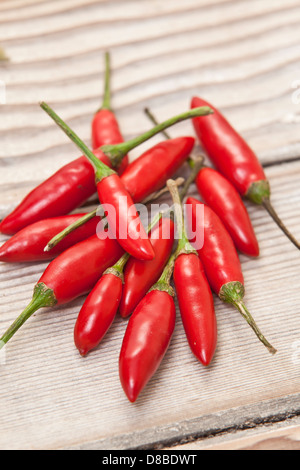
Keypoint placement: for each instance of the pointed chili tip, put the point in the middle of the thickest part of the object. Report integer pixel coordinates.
(131, 394)
(206, 359)
(145, 252)
(2, 344)
(83, 352)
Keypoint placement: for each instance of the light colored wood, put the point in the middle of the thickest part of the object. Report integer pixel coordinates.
(272, 437)
(244, 57)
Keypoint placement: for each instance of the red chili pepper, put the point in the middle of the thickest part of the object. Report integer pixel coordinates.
(147, 337)
(139, 276)
(150, 171)
(70, 275)
(105, 127)
(218, 193)
(193, 292)
(66, 189)
(233, 157)
(196, 306)
(98, 312)
(28, 244)
(220, 260)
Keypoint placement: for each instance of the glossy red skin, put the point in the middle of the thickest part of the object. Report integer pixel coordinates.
(218, 254)
(97, 313)
(152, 169)
(28, 244)
(67, 189)
(196, 306)
(106, 131)
(218, 193)
(140, 276)
(76, 271)
(229, 152)
(146, 340)
(125, 219)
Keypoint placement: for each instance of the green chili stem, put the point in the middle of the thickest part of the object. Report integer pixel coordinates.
(101, 170)
(156, 122)
(106, 98)
(78, 223)
(42, 297)
(117, 152)
(270, 209)
(179, 182)
(197, 165)
(163, 283)
(241, 307)
(184, 245)
(191, 160)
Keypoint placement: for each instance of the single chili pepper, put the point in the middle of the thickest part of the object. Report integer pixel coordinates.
(69, 187)
(111, 190)
(147, 336)
(139, 276)
(193, 292)
(100, 308)
(105, 127)
(220, 261)
(233, 157)
(150, 171)
(218, 193)
(224, 199)
(28, 244)
(70, 275)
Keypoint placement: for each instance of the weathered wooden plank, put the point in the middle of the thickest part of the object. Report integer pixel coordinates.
(243, 56)
(280, 436)
(46, 383)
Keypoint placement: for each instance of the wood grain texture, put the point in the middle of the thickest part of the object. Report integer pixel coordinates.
(279, 436)
(244, 57)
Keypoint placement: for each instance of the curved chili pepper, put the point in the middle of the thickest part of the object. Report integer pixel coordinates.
(139, 276)
(218, 193)
(105, 127)
(233, 157)
(70, 275)
(147, 337)
(28, 244)
(193, 292)
(70, 186)
(150, 171)
(220, 261)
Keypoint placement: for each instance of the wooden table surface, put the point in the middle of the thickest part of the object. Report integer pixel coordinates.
(244, 57)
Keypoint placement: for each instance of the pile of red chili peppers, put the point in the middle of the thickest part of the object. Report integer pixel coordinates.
(131, 272)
